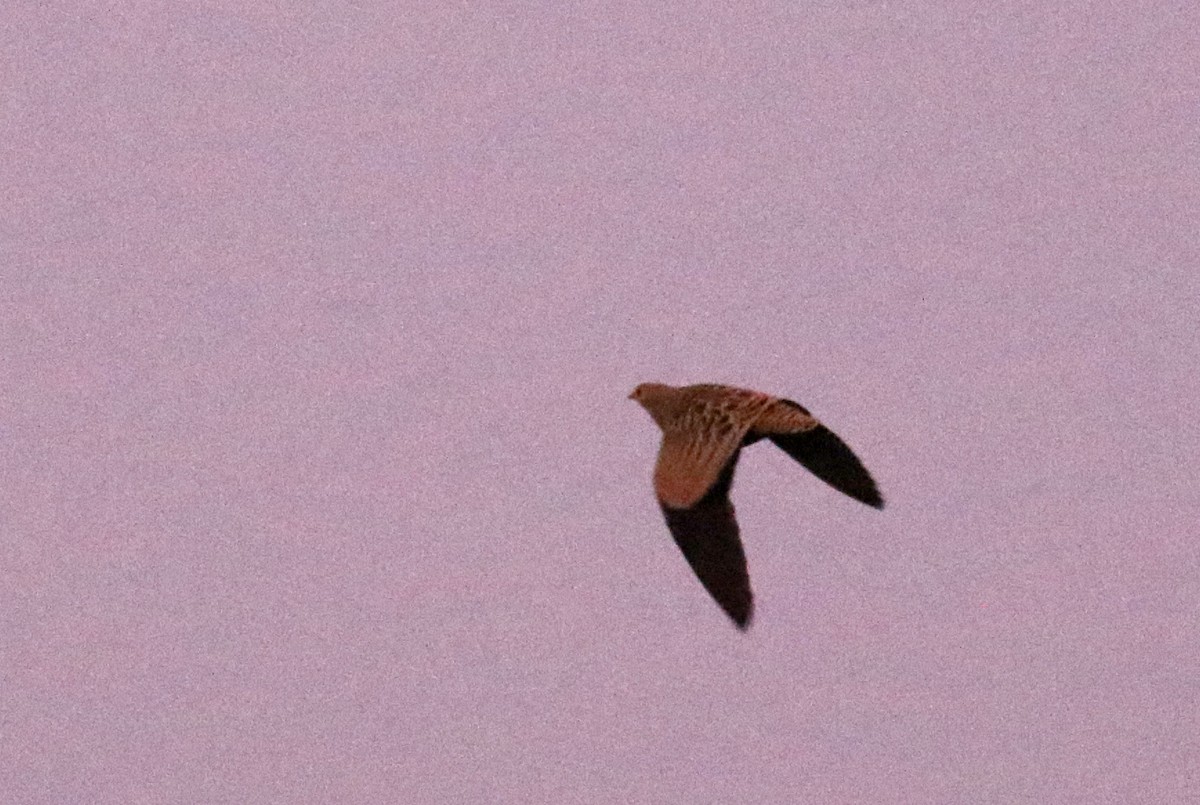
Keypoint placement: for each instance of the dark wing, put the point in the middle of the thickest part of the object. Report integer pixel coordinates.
(827, 457)
(707, 533)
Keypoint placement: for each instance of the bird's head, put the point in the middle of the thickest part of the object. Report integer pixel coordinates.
(656, 398)
(646, 392)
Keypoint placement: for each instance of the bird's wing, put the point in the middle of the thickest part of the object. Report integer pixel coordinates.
(692, 457)
(707, 533)
(799, 434)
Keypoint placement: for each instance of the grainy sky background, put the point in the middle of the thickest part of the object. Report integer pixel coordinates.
(318, 481)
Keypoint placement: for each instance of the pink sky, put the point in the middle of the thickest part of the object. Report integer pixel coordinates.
(319, 483)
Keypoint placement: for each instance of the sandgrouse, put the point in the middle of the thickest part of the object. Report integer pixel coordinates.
(704, 429)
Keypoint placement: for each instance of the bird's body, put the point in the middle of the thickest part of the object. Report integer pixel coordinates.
(704, 428)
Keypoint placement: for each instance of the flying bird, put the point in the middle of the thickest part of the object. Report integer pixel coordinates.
(704, 430)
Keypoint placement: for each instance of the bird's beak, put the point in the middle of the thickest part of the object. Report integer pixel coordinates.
(630, 397)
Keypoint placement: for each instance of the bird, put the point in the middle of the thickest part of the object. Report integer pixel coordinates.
(704, 429)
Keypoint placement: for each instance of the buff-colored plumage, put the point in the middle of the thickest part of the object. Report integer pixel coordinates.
(704, 428)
